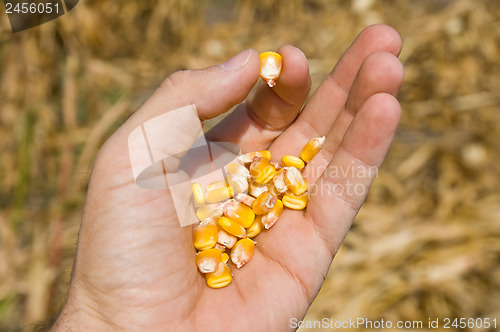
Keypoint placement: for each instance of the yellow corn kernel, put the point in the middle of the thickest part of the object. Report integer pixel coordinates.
(209, 211)
(292, 161)
(220, 278)
(218, 194)
(242, 252)
(295, 181)
(256, 189)
(208, 260)
(205, 234)
(264, 203)
(235, 168)
(232, 227)
(245, 199)
(247, 158)
(255, 228)
(226, 239)
(270, 67)
(272, 217)
(216, 184)
(311, 148)
(237, 182)
(224, 258)
(279, 181)
(261, 170)
(198, 195)
(239, 212)
(295, 202)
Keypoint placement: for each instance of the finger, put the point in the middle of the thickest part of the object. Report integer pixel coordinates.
(212, 90)
(270, 110)
(279, 106)
(329, 99)
(381, 72)
(338, 194)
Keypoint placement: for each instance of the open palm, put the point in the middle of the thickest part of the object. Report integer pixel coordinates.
(135, 266)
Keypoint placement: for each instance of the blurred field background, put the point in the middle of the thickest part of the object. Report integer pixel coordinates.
(425, 244)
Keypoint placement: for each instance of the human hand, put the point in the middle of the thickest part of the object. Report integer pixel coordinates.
(135, 266)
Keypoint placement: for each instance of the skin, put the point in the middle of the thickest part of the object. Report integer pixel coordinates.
(135, 267)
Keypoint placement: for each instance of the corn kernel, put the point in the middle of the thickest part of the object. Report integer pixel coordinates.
(220, 247)
(295, 202)
(247, 158)
(311, 148)
(205, 234)
(235, 168)
(256, 189)
(226, 239)
(295, 181)
(276, 165)
(232, 227)
(261, 170)
(220, 278)
(270, 67)
(292, 161)
(224, 258)
(264, 203)
(245, 199)
(242, 252)
(239, 212)
(217, 194)
(198, 195)
(208, 260)
(279, 181)
(237, 182)
(216, 185)
(209, 211)
(272, 217)
(273, 191)
(255, 228)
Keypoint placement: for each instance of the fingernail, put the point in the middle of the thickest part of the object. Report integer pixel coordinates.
(238, 61)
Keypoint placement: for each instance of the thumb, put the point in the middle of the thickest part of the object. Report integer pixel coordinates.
(212, 91)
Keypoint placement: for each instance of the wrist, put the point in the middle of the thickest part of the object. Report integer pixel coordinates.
(76, 320)
(79, 315)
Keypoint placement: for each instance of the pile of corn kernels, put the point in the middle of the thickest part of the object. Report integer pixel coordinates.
(249, 200)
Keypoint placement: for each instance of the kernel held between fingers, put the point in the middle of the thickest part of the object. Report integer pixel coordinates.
(270, 67)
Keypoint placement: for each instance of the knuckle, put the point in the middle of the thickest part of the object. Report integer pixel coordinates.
(175, 80)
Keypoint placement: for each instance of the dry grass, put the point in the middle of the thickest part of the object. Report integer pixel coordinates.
(426, 243)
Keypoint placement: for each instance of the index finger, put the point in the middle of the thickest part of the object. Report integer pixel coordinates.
(267, 112)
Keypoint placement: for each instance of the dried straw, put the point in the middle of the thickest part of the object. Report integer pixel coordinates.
(425, 244)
